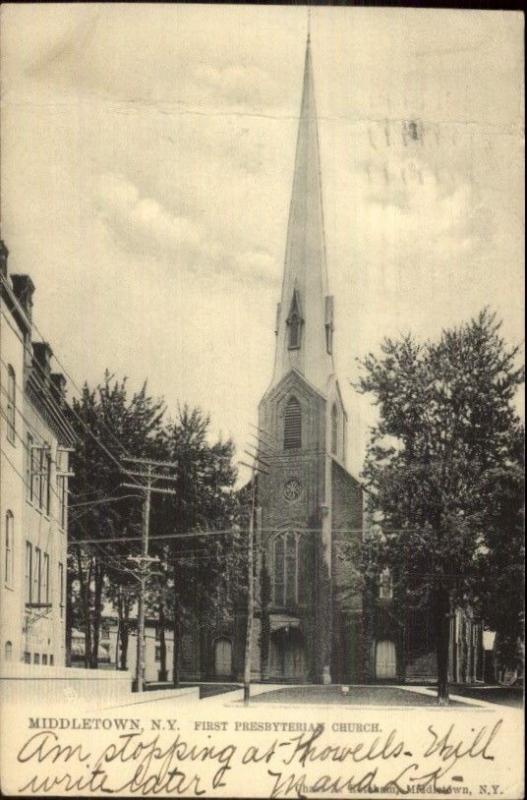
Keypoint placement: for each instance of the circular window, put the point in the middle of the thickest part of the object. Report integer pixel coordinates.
(292, 489)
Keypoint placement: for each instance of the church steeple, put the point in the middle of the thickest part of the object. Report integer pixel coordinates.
(305, 314)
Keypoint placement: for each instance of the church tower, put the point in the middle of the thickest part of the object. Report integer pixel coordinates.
(309, 504)
(304, 324)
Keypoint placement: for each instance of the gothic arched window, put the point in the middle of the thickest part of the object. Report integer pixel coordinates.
(294, 323)
(334, 428)
(292, 425)
(285, 569)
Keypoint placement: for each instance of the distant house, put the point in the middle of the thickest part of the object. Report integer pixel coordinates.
(78, 648)
(153, 671)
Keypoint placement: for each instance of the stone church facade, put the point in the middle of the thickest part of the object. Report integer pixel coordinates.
(308, 501)
(313, 623)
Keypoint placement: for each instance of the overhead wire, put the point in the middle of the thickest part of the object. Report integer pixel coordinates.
(86, 427)
(225, 531)
(38, 434)
(61, 365)
(52, 489)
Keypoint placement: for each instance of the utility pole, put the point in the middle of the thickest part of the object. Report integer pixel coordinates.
(250, 598)
(255, 468)
(147, 475)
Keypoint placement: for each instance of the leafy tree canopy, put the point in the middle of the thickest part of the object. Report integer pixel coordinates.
(443, 468)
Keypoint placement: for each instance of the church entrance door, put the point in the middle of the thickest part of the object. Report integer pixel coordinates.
(223, 658)
(287, 654)
(385, 661)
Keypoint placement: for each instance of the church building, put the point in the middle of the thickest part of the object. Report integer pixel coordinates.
(315, 618)
(310, 506)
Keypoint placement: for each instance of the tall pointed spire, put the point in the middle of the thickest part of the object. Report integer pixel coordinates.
(304, 320)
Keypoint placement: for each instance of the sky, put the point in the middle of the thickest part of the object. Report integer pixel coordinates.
(147, 159)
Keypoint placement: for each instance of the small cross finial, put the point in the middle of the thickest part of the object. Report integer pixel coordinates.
(308, 24)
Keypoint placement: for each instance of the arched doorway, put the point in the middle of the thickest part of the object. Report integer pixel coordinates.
(223, 658)
(287, 654)
(385, 660)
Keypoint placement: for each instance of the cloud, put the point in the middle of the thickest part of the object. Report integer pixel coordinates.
(143, 224)
(416, 207)
(165, 137)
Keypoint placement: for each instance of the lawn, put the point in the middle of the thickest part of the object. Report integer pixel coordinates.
(511, 696)
(358, 695)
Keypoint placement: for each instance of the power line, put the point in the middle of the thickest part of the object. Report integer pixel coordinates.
(29, 425)
(166, 536)
(75, 519)
(56, 406)
(99, 543)
(63, 368)
(92, 487)
(72, 410)
(148, 477)
(104, 500)
(52, 489)
(38, 436)
(27, 449)
(50, 515)
(201, 551)
(220, 531)
(226, 531)
(42, 443)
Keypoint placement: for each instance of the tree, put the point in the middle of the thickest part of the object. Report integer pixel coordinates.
(447, 427)
(501, 561)
(109, 423)
(204, 502)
